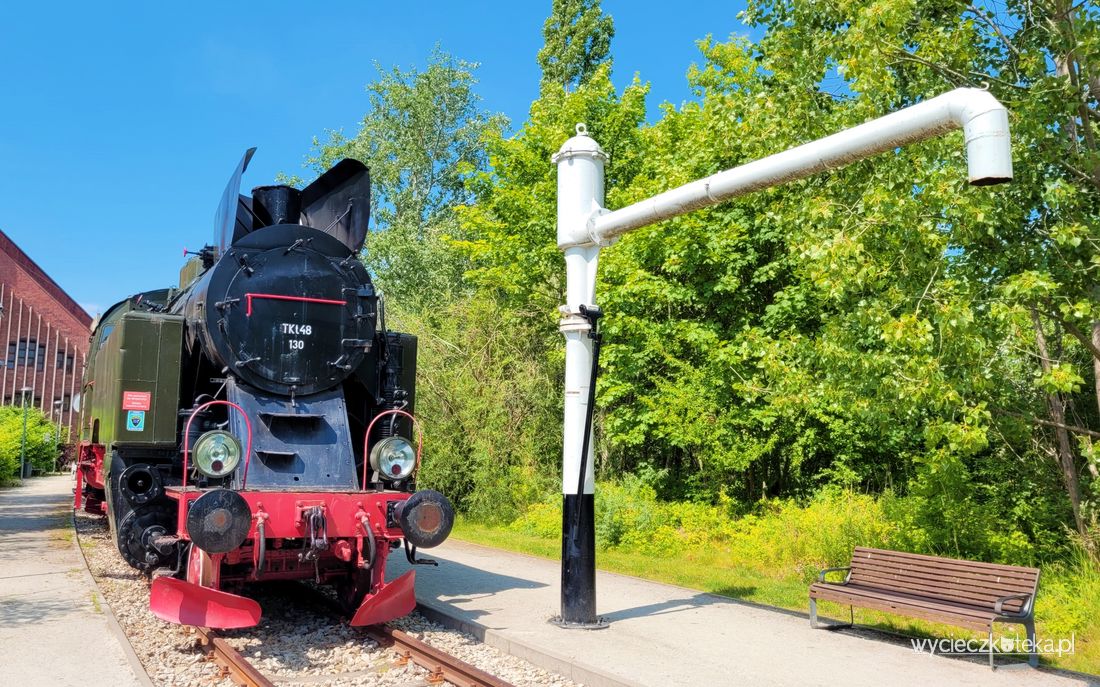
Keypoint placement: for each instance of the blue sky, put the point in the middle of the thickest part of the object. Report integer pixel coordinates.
(120, 122)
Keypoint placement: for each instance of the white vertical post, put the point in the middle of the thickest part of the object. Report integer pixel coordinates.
(4, 344)
(15, 365)
(37, 350)
(78, 371)
(53, 381)
(580, 165)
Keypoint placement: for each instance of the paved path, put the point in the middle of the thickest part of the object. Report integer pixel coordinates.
(54, 630)
(664, 635)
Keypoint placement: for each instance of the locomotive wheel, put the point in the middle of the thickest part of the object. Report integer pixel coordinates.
(201, 569)
(137, 528)
(352, 589)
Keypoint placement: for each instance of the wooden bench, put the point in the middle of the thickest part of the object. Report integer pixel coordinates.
(947, 590)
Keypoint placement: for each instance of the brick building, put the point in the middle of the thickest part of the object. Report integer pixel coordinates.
(46, 335)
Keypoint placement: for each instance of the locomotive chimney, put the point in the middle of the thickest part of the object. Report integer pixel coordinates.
(276, 205)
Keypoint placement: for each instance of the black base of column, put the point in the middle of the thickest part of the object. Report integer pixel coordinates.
(600, 624)
(578, 564)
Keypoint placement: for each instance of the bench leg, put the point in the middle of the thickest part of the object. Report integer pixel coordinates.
(1032, 655)
(840, 626)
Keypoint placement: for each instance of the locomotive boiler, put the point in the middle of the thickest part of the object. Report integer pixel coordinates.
(256, 422)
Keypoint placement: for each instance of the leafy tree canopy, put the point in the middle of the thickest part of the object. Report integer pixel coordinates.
(884, 328)
(578, 41)
(422, 137)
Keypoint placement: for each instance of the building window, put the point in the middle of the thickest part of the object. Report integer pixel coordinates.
(27, 352)
(64, 361)
(17, 399)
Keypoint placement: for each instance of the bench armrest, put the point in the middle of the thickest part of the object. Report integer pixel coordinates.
(821, 575)
(1025, 609)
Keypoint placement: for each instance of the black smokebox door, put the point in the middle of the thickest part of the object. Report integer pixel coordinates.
(290, 322)
(294, 340)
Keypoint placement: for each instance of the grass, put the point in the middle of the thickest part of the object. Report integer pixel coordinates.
(706, 570)
(1068, 601)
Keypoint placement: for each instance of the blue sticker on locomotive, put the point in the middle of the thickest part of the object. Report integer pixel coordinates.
(135, 421)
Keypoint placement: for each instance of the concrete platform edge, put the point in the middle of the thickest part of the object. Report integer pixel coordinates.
(112, 621)
(548, 660)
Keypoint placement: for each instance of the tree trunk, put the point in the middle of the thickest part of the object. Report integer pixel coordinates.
(1058, 417)
(1096, 361)
(1071, 409)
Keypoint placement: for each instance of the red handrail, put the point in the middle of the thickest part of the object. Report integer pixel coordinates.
(276, 297)
(366, 440)
(187, 437)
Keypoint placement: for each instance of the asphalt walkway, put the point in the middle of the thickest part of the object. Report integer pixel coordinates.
(54, 627)
(664, 635)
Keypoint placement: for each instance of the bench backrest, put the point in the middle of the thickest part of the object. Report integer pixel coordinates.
(949, 579)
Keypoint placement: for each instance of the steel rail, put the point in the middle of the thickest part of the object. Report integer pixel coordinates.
(440, 665)
(238, 668)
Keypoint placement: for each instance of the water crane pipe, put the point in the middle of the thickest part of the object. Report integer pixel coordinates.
(584, 226)
(982, 118)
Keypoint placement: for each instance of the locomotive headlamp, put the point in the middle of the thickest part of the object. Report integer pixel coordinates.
(217, 453)
(394, 458)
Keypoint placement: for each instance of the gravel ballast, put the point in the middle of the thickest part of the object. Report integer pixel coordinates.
(298, 641)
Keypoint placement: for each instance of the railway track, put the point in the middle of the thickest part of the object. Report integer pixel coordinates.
(345, 654)
(232, 663)
(441, 666)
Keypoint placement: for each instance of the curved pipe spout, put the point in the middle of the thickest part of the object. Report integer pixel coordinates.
(982, 118)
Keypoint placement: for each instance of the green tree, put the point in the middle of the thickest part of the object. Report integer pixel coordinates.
(577, 42)
(422, 138)
(884, 327)
(881, 326)
(494, 360)
(510, 230)
(42, 441)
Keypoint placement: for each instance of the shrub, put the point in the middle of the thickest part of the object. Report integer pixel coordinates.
(782, 537)
(491, 418)
(540, 520)
(41, 441)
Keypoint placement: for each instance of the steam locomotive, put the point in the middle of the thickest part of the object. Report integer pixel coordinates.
(256, 422)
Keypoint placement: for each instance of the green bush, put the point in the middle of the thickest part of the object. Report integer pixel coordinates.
(491, 414)
(540, 520)
(42, 441)
(784, 537)
(1069, 595)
